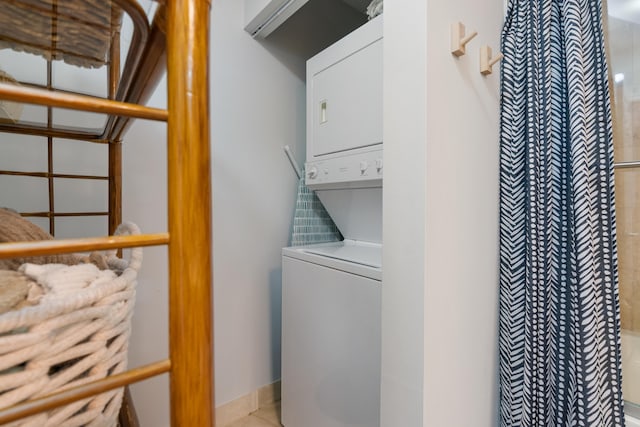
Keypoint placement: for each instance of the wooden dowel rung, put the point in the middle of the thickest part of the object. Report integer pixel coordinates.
(53, 175)
(57, 131)
(46, 403)
(79, 102)
(75, 214)
(48, 247)
(61, 214)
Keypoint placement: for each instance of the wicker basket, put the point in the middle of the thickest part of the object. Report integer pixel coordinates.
(76, 31)
(61, 344)
(9, 111)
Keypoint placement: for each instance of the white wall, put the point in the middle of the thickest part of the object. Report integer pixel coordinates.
(440, 218)
(257, 107)
(462, 191)
(144, 201)
(404, 210)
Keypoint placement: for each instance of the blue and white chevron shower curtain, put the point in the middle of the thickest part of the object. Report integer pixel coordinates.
(559, 309)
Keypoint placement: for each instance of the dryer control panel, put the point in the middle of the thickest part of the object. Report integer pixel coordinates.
(351, 171)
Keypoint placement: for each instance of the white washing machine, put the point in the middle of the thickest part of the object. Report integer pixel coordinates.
(331, 335)
(331, 292)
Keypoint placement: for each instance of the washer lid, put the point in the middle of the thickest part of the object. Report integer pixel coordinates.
(357, 212)
(367, 254)
(360, 257)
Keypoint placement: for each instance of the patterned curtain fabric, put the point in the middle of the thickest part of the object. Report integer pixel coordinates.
(559, 309)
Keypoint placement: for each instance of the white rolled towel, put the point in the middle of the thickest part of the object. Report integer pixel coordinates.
(58, 280)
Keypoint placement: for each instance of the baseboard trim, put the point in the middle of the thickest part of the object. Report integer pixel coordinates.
(247, 404)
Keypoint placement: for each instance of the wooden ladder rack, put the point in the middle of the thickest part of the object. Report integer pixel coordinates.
(189, 237)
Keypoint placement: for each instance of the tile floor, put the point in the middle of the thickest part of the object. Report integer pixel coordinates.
(267, 416)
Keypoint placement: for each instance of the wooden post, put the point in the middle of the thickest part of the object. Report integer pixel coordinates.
(50, 181)
(115, 146)
(190, 316)
(115, 185)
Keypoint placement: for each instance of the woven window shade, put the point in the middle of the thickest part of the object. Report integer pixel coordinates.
(77, 32)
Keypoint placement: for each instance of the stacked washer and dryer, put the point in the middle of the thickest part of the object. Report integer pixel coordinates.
(331, 292)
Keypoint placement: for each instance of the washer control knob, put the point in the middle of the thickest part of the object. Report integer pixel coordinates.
(363, 166)
(379, 165)
(312, 173)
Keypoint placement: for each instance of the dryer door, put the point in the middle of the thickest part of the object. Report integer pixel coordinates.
(344, 94)
(347, 98)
